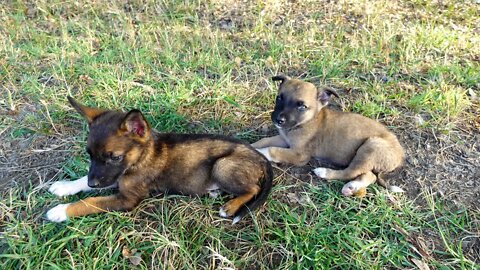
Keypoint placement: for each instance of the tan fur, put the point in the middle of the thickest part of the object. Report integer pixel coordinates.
(361, 145)
(232, 206)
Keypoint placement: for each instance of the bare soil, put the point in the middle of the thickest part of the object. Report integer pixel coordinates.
(30, 158)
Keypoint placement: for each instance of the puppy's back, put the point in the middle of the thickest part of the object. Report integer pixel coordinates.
(340, 134)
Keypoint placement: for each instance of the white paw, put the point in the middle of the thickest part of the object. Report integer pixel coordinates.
(265, 152)
(350, 188)
(321, 172)
(63, 188)
(58, 213)
(214, 193)
(222, 212)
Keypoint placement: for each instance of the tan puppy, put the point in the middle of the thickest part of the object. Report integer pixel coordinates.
(362, 146)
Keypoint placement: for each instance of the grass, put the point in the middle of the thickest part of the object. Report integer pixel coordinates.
(204, 66)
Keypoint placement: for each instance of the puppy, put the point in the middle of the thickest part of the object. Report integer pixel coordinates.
(126, 153)
(362, 146)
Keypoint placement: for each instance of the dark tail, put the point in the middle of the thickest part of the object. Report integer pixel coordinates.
(260, 199)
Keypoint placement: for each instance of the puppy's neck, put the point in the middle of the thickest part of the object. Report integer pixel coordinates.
(148, 154)
(322, 115)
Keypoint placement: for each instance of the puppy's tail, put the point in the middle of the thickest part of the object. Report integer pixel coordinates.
(266, 186)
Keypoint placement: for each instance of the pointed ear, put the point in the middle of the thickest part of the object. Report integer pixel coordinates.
(281, 78)
(88, 112)
(135, 124)
(325, 93)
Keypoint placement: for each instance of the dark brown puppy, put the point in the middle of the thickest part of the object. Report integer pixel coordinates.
(125, 152)
(364, 147)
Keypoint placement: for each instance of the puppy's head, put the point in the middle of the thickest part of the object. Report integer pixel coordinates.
(298, 102)
(115, 143)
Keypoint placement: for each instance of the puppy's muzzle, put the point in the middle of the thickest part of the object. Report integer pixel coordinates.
(280, 120)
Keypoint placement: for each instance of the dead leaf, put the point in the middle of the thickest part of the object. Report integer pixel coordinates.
(238, 61)
(269, 61)
(126, 252)
(135, 260)
(299, 199)
(86, 79)
(133, 256)
(293, 198)
(420, 264)
(305, 199)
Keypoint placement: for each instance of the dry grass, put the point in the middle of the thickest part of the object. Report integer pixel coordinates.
(204, 66)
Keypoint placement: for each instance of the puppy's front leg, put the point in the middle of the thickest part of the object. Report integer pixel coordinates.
(276, 141)
(65, 188)
(92, 205)
(285, 155)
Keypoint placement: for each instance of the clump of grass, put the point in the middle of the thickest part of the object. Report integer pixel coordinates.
(444, 105)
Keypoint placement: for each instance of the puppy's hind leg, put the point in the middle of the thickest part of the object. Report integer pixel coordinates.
(363, 162)
(358, 186)
(233, 205)
(232, 176)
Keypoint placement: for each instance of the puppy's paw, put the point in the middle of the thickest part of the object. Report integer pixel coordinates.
(354, 188)
(65, 188)
(229, 209)
(214, 193)
(265, 152)
(58, 213)
(321, 172)
(222, 212)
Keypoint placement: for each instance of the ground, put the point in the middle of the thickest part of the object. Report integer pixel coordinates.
(204, 66)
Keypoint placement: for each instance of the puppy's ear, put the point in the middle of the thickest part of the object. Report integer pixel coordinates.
(281, 78)
(325, 93)
(89, 113)
(135, 125)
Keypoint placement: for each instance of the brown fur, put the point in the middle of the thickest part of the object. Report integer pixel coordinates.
(190, 164)
(359, 144)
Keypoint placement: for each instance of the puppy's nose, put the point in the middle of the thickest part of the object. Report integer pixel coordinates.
(281, 120)
(93, 183)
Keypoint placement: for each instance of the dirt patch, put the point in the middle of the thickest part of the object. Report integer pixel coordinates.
(28, 157)
(30, 160)
(449, 165)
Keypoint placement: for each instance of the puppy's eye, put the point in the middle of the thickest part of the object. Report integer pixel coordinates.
(301, 107)
(116, 158)
(279, 98)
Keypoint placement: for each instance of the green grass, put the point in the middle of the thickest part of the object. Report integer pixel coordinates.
(325, 231)
(188, 72)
